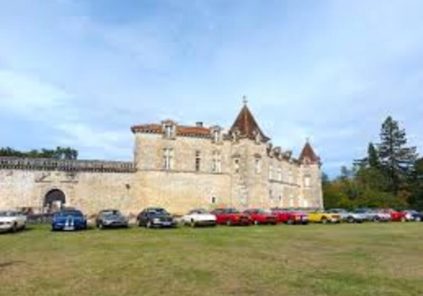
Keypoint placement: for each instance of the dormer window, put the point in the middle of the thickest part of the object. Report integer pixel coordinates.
(168, 131)
(216, 134)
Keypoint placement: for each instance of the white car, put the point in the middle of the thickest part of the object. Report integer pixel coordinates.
(12, 221)
(199, 217)
(350, 217)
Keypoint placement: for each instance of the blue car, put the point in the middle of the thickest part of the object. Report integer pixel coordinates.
(69, 220)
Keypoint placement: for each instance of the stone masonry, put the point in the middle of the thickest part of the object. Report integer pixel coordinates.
(177, 167)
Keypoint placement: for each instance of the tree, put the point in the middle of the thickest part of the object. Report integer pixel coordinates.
(396, 159)
(58, 153)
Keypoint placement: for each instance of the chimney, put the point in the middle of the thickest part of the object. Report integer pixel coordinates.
(199, 124)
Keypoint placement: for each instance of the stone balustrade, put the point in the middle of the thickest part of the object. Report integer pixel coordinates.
(47, 164)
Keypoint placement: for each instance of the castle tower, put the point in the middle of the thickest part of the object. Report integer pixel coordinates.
(249, 151)
(312, 183)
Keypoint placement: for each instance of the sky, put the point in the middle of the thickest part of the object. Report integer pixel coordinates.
(79, 73)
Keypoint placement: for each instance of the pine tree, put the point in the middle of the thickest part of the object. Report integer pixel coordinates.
(373, 156)
(396, 159)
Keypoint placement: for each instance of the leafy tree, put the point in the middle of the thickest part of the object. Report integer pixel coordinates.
(58, 153)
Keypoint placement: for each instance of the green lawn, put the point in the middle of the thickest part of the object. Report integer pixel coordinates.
(368, 259)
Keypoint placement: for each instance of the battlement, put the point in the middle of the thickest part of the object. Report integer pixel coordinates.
(47, 164)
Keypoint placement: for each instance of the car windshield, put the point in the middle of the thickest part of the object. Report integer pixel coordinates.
(8, 214)
(233, 211)
(198, 211)
(69, 213)
(112, 213)
(158, 212)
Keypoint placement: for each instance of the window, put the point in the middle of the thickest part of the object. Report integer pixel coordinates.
(279, 175)
(168, 159)
(307, 180)
(213, 200)
(270, 172)
(257, 165)
(216, 162)
(168, 131)
(236, 165)
(197, 161)
(290, 177)
(216, 136)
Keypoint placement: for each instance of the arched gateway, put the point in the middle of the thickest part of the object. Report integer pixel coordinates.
(54, 200)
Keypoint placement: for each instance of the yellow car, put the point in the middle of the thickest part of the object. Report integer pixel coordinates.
(322, 217)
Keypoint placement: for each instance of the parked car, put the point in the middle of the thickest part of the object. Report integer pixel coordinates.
(156, 218)
(412, 215)
(68, 219)
(347, 216)
(396, 216)
(373, 215)
(231, 216)
(290, 216)
(199, 217)
(260, 216)
(110, 219)
(12, 221)
(323, 217)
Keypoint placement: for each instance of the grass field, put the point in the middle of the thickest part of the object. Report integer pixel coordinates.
(368, 259)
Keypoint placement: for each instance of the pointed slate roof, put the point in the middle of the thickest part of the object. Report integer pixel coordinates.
(247, 126)
(308, 154)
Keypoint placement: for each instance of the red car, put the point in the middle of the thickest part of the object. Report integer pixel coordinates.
(231, 216)
(260, 216)
(290, 217)
(396, 216)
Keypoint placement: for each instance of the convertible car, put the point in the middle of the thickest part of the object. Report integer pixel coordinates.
(111, 219)
(68, 220)
(199, 217)
(260, 216)
(231, 216)
(290, 216)
(324, 217)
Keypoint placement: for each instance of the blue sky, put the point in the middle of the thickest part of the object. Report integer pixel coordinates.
(80, 73)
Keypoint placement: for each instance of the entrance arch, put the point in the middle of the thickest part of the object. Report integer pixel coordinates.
(54, 200)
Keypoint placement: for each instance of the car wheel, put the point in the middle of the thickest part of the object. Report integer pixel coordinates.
(403, 219)
(418, 219)
(100, 226)
(148, 225)
(229, 223)
(256, 222)
(290, 222)
(192, 224)
(376, 219)
(324, 220)
(350, 220)
(14, 228)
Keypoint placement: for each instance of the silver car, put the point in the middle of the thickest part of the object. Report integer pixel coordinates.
(350, 217)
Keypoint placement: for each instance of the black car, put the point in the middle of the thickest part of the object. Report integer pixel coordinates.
(155, 217)
(412, 215)
(110, 219)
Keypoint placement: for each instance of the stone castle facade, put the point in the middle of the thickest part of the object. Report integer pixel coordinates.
(175, 166)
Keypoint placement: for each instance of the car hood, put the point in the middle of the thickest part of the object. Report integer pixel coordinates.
(67, 217)
(114, 218)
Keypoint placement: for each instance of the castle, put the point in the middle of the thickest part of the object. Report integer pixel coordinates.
(175, 166)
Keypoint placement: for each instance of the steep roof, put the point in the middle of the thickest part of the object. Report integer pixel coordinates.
(181, 130)
(247, 126)
(308, 154)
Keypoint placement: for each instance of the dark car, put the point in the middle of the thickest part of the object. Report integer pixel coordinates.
(68, 219)
(155, 217)
(412, 215)
(110, 219)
